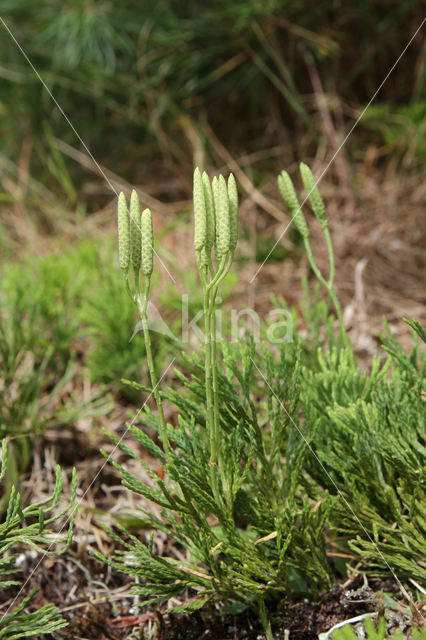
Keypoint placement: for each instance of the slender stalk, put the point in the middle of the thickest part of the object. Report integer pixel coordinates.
(212, 312)
(127, 284)
(216, 416)
(142, 305)
(331, 292)
(208, 377)
(313, 264)
(209, 368)
(211, 372)
(222, 271)
(265, 620)
(329, 286)
(330, 257)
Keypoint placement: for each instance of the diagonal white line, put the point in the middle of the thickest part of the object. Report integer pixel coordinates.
(86, 148)
(342, 143)
(341, 496)
(85, 492)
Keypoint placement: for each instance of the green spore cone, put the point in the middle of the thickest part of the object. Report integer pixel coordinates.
(233, 210)
(200, 215)
(223, 222)
(288, 194)
(123, 234)
(210, 213)
(314, 195)
(147, 237)
(135, 231)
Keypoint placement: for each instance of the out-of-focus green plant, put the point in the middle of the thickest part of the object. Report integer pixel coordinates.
(402, 129)
(78, 305)
(37, 365)
(31, 527)
(131, 73)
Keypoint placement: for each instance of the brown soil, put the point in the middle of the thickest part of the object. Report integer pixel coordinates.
(100, 607)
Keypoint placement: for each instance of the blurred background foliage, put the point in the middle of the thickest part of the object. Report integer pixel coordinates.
(152, 88)
(147, 82)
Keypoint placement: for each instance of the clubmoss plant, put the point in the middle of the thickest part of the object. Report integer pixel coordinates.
(245, 492)
(215, 227)
(233, 460)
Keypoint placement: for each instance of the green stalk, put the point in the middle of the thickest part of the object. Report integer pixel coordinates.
(210, 368)
(330, 256)
(211, 372)
(216, 417)
(214, 371)
(329, 286)
(208, 376)
(142, 307)
(265, 620)
(127, 284)
(219, 274)
(215, 442)
(331, 292)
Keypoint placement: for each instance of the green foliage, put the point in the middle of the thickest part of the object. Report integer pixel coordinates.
(112, 353)
(266, 537)
(31, 527)
(37, 365)
(28, 373)
(72, 305)
(268, 467)
(376, 422)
